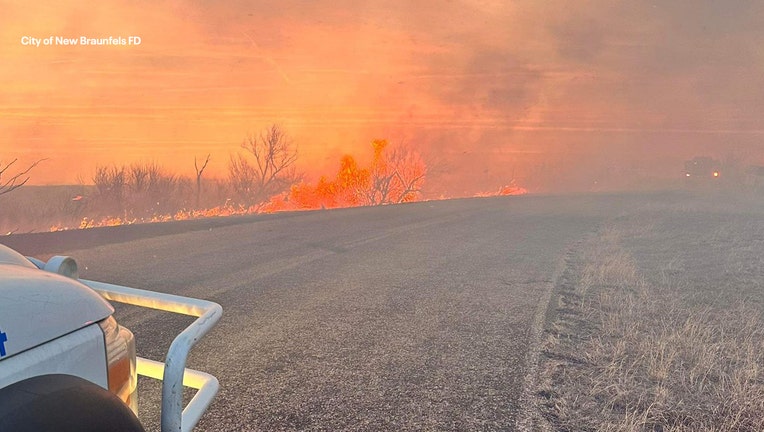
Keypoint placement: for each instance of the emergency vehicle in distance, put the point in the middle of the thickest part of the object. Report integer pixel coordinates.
(702, 169)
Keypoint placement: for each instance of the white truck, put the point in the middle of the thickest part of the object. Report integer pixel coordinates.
(67, 365)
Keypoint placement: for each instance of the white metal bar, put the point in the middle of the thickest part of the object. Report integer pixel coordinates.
(208, 313)
(206, 384)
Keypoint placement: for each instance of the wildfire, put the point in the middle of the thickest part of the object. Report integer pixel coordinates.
(394, 175)
(218, 211)
(510, 189)
(513, 190)
(326, 193)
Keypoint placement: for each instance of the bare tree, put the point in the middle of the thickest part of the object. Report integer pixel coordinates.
(241, 175)
(396, 175)
(272, 170)
(199, 172)
(17, 180)
(110, 183)
(139, 190)
(137, 175)
(162, 191)
(377, 189)
(410, 172)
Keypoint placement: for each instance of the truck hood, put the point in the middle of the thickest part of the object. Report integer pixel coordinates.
(37, 306)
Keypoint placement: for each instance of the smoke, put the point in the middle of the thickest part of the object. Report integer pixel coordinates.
(555, 95)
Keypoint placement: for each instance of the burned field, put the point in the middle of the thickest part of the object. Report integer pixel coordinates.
(657, 323)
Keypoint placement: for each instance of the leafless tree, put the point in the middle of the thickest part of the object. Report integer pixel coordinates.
(17, 180)
(110, 182)
(139, 190)
(396, 175)
(163, 191)
(137, 177)
(159, 193)
(272, 168)
(199, 172)
(410, 173)
(241, 175)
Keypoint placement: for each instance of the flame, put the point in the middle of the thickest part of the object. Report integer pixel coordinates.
(394, 175)
(509, 189)
(218, 211)
(513, 190)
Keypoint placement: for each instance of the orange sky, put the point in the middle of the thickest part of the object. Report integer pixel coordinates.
(484, 87)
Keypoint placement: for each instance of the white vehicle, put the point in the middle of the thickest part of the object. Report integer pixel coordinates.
(65, 363)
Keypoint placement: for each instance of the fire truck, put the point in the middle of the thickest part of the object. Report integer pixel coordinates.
(67, 365)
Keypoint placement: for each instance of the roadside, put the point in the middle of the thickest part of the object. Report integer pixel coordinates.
(411, 317)
(657, 325)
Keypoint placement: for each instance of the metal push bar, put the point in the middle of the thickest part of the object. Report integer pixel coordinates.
(173, 372)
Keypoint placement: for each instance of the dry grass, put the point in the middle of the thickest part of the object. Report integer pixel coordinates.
(627, 352)
(37, 208)
(165, 197)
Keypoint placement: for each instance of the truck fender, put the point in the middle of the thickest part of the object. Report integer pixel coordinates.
(63, 403)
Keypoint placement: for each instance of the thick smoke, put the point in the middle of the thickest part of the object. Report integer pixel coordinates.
(553, 95)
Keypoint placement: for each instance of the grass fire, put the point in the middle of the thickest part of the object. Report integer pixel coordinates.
(351, 170)
(262, 178)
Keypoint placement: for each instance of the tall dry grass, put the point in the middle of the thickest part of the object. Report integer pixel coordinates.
(37, 208)
(120, 195)
(628, 354)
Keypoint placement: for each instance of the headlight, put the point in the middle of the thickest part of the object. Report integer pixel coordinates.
(120, 358)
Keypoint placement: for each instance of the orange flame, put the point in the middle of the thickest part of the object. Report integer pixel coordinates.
(510, 189)
(395, 175)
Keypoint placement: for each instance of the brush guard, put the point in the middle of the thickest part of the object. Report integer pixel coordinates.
(173, 373)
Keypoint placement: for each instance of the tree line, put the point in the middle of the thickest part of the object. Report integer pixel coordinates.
(262, 175)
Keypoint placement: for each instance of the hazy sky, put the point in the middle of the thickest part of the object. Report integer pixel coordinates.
(488, 89)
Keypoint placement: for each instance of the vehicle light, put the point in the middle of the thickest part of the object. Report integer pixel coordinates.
(120, 358)
(716, 173)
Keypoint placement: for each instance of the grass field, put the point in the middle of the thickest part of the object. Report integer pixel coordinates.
(658, 324)
(38, 208)
(60, 207)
